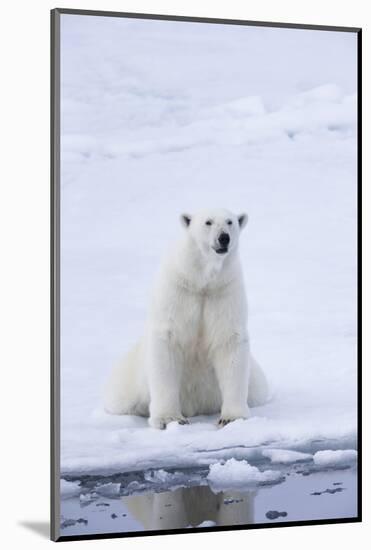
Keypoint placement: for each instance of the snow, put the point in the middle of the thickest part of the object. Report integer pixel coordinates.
(237, 474)
(331, 458)
(69, 489)
(163, 117)
(284, 456)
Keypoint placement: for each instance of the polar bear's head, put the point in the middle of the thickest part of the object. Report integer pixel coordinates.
(215, 232)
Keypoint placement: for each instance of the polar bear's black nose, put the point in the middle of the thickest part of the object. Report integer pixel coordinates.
(224, 239)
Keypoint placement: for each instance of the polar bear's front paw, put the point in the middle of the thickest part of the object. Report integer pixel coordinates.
(227, 418)
(160, 422)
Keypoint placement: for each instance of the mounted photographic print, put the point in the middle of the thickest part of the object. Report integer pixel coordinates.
(205, 303)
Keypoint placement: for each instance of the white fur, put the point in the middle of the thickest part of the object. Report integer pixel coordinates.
(195, 355)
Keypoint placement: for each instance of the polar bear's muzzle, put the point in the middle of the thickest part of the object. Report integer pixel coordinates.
(223, 243)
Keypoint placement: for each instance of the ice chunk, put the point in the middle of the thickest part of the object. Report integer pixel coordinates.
(109, 489)
(207, 523)
(69, 489)
(158, 476)
(335, 458)
(239, 473)
(274, 514)
(87, 498)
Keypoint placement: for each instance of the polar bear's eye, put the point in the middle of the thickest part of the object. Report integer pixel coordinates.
(229, 222)
(208, 222)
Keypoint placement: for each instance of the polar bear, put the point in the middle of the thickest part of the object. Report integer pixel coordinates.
(194, 357)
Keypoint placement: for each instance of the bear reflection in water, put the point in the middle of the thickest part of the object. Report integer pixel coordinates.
(191, 506)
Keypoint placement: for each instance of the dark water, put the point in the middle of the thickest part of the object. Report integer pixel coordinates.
(303, 495)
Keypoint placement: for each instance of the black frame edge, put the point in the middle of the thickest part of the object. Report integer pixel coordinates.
(359, 270)
(195, 19)
(54, 276)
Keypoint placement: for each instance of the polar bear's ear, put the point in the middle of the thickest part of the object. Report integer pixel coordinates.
(185, 219)
(242, 220)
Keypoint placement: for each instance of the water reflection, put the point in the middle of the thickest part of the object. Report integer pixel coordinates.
(190, 506)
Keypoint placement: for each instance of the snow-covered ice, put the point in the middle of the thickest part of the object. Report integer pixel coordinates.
(285, 456)
(235, 474)
(163, 117)
(329, 458)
